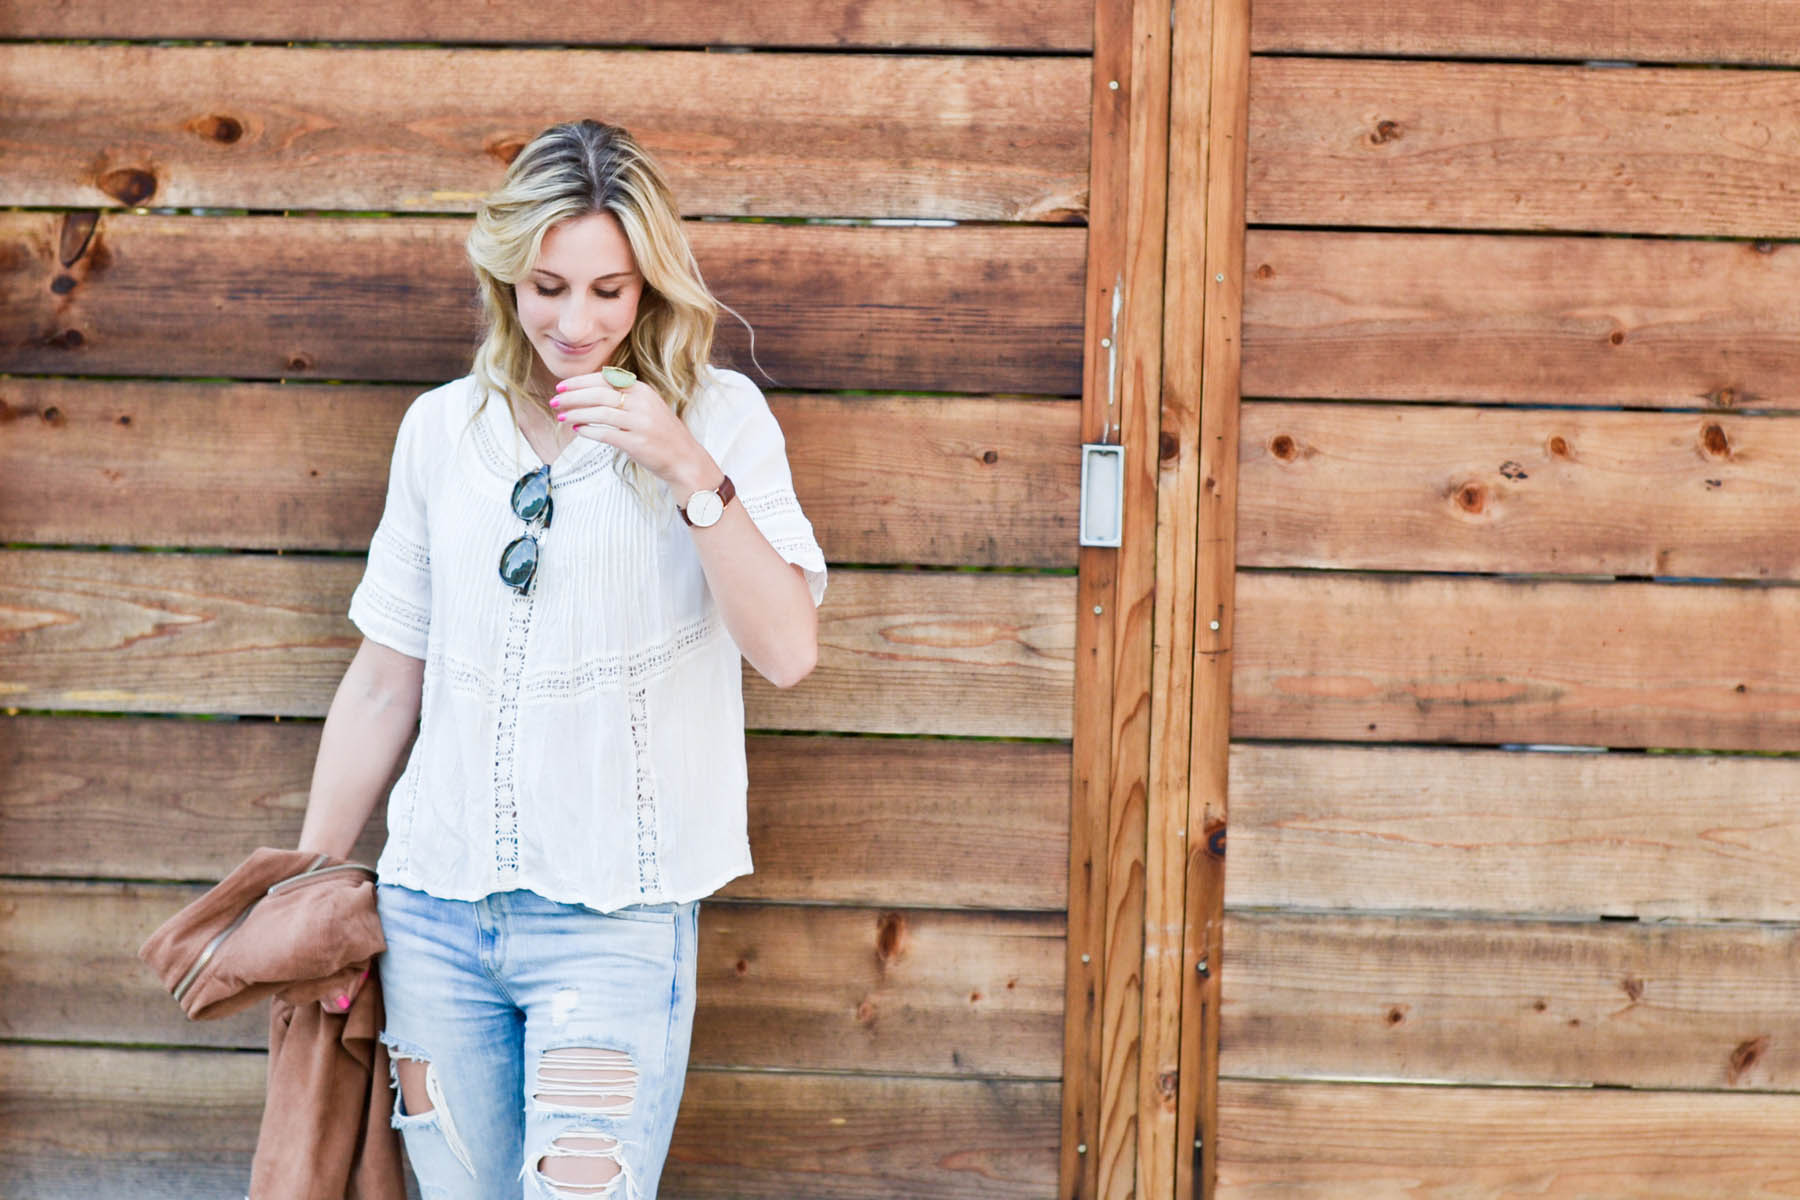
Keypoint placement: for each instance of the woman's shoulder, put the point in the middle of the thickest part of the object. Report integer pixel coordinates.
(440, 414)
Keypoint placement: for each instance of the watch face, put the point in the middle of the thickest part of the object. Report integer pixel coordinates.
(704, 508)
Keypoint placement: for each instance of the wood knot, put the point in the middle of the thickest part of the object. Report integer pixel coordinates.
(1634, 988)
(1385, 131)
(1744, 1056)
(1282, 446)
(1539, 1005)
(62, 285)
(216, 127)
(125, 419)
(1513, 470)
(1167, 446)
(54, 416)
(890, 938)
(1471, 497)
(1558, 447)
(1265, 272)
(975, 997)
(1168, 1083)
(130, 186)
(1741, 689)
(1616, 337)
(865, 1012)
(990, 457)
(506, 149)
(1215, 840)
(742, 967)
(68, 339)
(1724, 397)
(1397, 1014)
(1714, 441)
(77, 232)
(299, 361)
(1763, 247)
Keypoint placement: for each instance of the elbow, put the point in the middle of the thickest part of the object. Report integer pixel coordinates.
(795, 666)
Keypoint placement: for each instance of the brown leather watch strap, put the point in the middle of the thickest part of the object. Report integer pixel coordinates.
(726, 491)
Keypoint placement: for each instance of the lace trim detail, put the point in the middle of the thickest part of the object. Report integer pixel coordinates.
(506, 738)
(772, 504)
(402, 612)
(649, 860)
(613, 670)
(402, 549)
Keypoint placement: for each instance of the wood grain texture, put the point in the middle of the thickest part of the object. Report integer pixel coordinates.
(1386, 487)
(402, 129)
(1487, 146)
(1120, 400)
(1599, 321)
(905, 991)
(970, 309)
(1034, 25)
(884, 479)
(1694, 837)
(1609, 1002)
(1309, 1141)
(920, 822)
(1696, 31)
(181, 1124)
(899, 652)
(1434, 658)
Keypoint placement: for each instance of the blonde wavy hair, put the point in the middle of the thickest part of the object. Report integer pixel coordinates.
(568, 171)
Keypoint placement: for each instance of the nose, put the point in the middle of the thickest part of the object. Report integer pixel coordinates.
(575, 321)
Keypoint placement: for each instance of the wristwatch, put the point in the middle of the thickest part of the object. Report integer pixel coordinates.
(704, 508)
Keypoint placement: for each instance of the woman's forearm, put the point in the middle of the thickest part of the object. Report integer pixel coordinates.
(372, 716)
(761, 596)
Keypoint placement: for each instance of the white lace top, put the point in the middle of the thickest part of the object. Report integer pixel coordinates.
(585, 741)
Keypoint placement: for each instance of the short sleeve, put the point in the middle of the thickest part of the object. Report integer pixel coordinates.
(748, 444)
(392, 604)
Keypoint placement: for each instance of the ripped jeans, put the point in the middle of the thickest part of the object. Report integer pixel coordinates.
(553, 1038)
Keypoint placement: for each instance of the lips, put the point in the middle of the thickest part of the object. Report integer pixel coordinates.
(569, 351)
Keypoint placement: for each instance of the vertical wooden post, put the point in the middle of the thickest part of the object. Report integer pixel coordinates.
(1209, 241)
(1121, 385)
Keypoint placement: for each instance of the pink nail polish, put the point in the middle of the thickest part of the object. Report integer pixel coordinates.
(561, 384)
(343, 1002)
(562, 416)
(555, 401)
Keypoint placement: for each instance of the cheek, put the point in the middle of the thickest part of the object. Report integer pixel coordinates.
(534, 311)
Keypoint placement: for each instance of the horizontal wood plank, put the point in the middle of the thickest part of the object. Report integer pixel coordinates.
(181, 1125)
(1060, 25)
(901, 991)
(1457, 659)
(907, 821)
(1311, 1141)
(1699, 837)
(885, 479)
(1695, 31)
(1597, 321)
(1388, 487)
(265, 127)
(899, 651)
(969, 309)
(1489, 146)
(1608, 1002)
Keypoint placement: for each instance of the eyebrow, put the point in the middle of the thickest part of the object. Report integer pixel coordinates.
(560, 279)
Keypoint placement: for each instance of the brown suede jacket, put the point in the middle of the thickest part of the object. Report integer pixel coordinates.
(300, 928)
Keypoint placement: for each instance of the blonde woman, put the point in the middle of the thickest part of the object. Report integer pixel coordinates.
(581, 539)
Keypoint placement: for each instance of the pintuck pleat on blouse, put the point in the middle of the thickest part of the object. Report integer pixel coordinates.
(585, 741)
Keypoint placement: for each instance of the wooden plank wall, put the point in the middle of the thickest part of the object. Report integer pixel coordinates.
(1516, 473)
(231, 253)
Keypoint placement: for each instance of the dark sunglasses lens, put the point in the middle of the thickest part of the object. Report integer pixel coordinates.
(531, 496)
(518, 563)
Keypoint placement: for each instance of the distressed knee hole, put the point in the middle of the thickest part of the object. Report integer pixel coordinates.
(587, 1079)
(582, 1164)
(422, 1095)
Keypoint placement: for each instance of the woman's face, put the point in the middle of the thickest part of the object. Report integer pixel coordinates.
(578, 301)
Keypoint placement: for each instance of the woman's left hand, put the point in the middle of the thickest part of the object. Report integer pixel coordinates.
(638, 422)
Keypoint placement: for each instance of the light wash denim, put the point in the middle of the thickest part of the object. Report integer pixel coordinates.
(491, 993)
